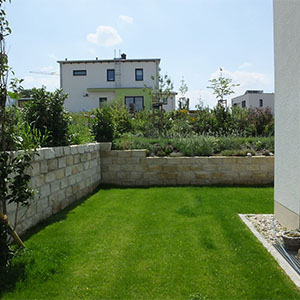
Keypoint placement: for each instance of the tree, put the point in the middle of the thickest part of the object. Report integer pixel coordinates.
(14, 181)
(183, 102)
(162, 88)
(46, 113)
(222, 87)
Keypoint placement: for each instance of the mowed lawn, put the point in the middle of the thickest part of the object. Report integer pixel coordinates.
(156, 243)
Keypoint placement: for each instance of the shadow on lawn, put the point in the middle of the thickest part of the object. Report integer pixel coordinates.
(57, 217)
(10, 277)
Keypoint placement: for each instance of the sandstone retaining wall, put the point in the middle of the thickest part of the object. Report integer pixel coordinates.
(133, 168)
(60, 176)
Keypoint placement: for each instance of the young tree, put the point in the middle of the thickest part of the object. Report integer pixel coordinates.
(222, 87)
(161, 90)
(183, 102)
(14, 181)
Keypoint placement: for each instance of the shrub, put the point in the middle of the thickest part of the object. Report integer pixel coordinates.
(195, 146)
(102, 127)
(46, 113)
(121, 119)
(79, 129)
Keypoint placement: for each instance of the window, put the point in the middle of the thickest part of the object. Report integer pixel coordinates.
(102, 102)
(261, 102)
(243, 103)
(165, 101)
(139, 74)
(110, 75)
(79, 72)
(135, 103)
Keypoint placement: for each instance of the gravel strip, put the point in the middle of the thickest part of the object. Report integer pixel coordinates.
(264, 225)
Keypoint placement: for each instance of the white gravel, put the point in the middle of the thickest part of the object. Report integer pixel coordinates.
(264, 225)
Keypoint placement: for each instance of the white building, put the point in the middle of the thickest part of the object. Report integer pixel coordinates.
(287, 107)
(94, 83)
(253, 99)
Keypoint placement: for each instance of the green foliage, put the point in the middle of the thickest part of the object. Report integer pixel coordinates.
(79, 129)
(121, 119)
(46, 113)
(102, 127)
(221, 87)
(197, 145)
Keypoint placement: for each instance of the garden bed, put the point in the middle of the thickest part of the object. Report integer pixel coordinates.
(198, 145)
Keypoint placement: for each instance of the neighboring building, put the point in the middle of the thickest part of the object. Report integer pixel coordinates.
(254, 98)
(95, 83)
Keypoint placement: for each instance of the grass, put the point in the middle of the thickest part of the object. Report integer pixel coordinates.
(156, 243)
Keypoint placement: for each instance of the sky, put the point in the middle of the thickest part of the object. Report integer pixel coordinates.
(193, 39)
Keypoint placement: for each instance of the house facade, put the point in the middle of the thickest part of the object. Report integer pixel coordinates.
(95, 83)
(287, 117)
(254, 99)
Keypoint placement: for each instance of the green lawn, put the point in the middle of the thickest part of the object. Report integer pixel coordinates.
(156, 243)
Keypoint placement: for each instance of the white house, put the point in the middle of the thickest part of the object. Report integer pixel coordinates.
(287, 107)
(253, 99)
(94, 83)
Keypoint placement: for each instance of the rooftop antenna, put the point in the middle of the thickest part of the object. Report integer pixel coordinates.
(119, 53)
(114, 53)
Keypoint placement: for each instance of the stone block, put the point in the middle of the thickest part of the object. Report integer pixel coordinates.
(71, 180)
(83, 157)
(39, 155)
(80, 149)
(75, 169)
(52, 164)
(216, 160)
(67, 150)
(47, 213)
(68, 171)
(138, 153)
(49, 153)
(62, 163)
(55, 186)
(171, 176)
(75, 188)
(50, 177)
(69, 160)
(76, 158)
(174, 160)
(124, 153)
(59, 174)
(201, 175)
(155, 168)
(69, 191)
(32, 210)
(35, 169)
(42, 204)
(114, 168)
(37, 181)
(253, 167)
(74, 149)
(43, 167)
(64, 183)
(44, 190)
(86, 165)
(105, 146)
(170, 168)
(59, 151)
(156, 160)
